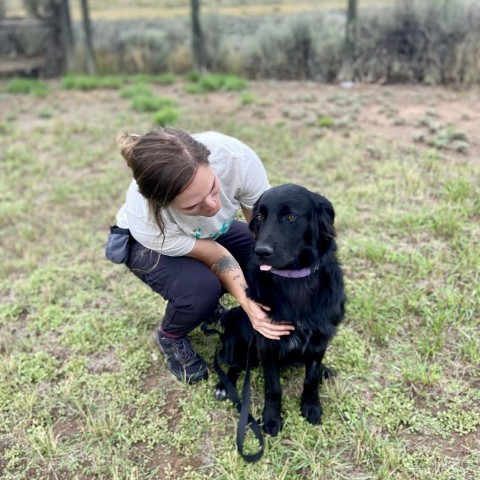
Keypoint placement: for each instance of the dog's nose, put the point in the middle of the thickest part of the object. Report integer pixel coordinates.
(263, 251)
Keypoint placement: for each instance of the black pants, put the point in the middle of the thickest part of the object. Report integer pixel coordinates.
(190, 287)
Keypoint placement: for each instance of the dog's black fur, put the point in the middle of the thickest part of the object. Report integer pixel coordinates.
(293, 228)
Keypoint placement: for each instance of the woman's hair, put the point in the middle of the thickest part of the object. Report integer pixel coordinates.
(163, 162)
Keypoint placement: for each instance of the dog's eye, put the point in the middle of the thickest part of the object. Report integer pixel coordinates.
(290, 218)
(259, 217)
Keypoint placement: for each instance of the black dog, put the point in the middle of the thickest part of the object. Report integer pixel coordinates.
(295, 272)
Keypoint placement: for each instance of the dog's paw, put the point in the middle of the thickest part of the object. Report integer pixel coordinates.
(312, 412)
(220, 392)
(272, 425)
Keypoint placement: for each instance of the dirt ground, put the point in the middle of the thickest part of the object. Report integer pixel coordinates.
(401, 113)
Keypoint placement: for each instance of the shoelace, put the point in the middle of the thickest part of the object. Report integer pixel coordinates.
(185, 350)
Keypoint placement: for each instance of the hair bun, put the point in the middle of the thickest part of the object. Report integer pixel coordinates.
(127, 142)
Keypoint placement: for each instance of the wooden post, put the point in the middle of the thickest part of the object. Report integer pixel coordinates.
(347, 72)
(198, 47)
(87, 28)
(66, 34)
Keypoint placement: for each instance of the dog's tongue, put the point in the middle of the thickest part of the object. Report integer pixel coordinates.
(265, 267)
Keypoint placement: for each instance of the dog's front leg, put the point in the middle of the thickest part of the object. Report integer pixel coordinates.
(272, 411)
(311, 408)
(221, 390)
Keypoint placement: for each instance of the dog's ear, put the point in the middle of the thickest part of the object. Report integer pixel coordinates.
(326, 212)
(251, 224)
(324, 220)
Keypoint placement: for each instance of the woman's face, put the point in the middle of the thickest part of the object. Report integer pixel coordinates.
(201, 196)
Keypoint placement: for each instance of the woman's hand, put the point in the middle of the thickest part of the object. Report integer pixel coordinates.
(261, 322)
(228, 271)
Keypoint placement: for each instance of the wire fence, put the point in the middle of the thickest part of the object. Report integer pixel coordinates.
(433, 42)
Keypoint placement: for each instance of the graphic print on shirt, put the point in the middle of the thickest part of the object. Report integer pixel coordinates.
(197, 232)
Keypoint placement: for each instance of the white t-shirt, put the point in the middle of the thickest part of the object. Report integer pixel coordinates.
(243, 180)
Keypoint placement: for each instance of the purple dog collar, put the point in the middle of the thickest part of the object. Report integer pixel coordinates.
(302, 272)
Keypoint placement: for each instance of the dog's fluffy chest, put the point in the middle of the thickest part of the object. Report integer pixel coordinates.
(297, 346)
(294, 295)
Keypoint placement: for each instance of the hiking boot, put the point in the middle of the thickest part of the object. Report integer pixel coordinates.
(182, 360)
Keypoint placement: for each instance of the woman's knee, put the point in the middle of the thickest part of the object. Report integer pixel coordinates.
(199, 294)
(191, 306)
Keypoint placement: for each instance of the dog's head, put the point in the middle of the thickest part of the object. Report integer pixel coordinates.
(293, 228)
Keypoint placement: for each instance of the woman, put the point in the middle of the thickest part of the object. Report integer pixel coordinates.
(183, 239)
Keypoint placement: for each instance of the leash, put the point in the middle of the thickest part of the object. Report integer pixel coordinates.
(243, 407)
(246, 419)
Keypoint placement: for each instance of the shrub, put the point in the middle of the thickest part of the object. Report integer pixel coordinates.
(216, 47)
(269, 52)
(327, 57)
(466, 68)
(166, 116)
(180, 59)
(144, 50)
(280, 50)
(39, 8)
(298, 48)
(426, 41)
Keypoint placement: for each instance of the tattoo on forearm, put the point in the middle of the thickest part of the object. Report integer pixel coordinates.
(225, 264)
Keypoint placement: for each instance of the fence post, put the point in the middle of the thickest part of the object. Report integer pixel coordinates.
(347, 72)
(198, 46)
(91, 64)
(66, 34)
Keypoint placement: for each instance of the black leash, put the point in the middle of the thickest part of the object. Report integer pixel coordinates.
(246, 419)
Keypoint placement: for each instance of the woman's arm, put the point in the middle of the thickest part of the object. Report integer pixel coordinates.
(228, 271)
(247, 213)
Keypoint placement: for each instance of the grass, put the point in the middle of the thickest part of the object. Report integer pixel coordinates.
(148, 103)
(91, 82)
(34, 87)
(84, 392)
(214, 82)
(166, 116)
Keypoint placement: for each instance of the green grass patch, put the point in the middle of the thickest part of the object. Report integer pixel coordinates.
(326, 122)
(158, 79)
(91, 82)
(247, 98)
(146, 103)
(164, 79)
(214, 82)
(37, 88)
(137, 90)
